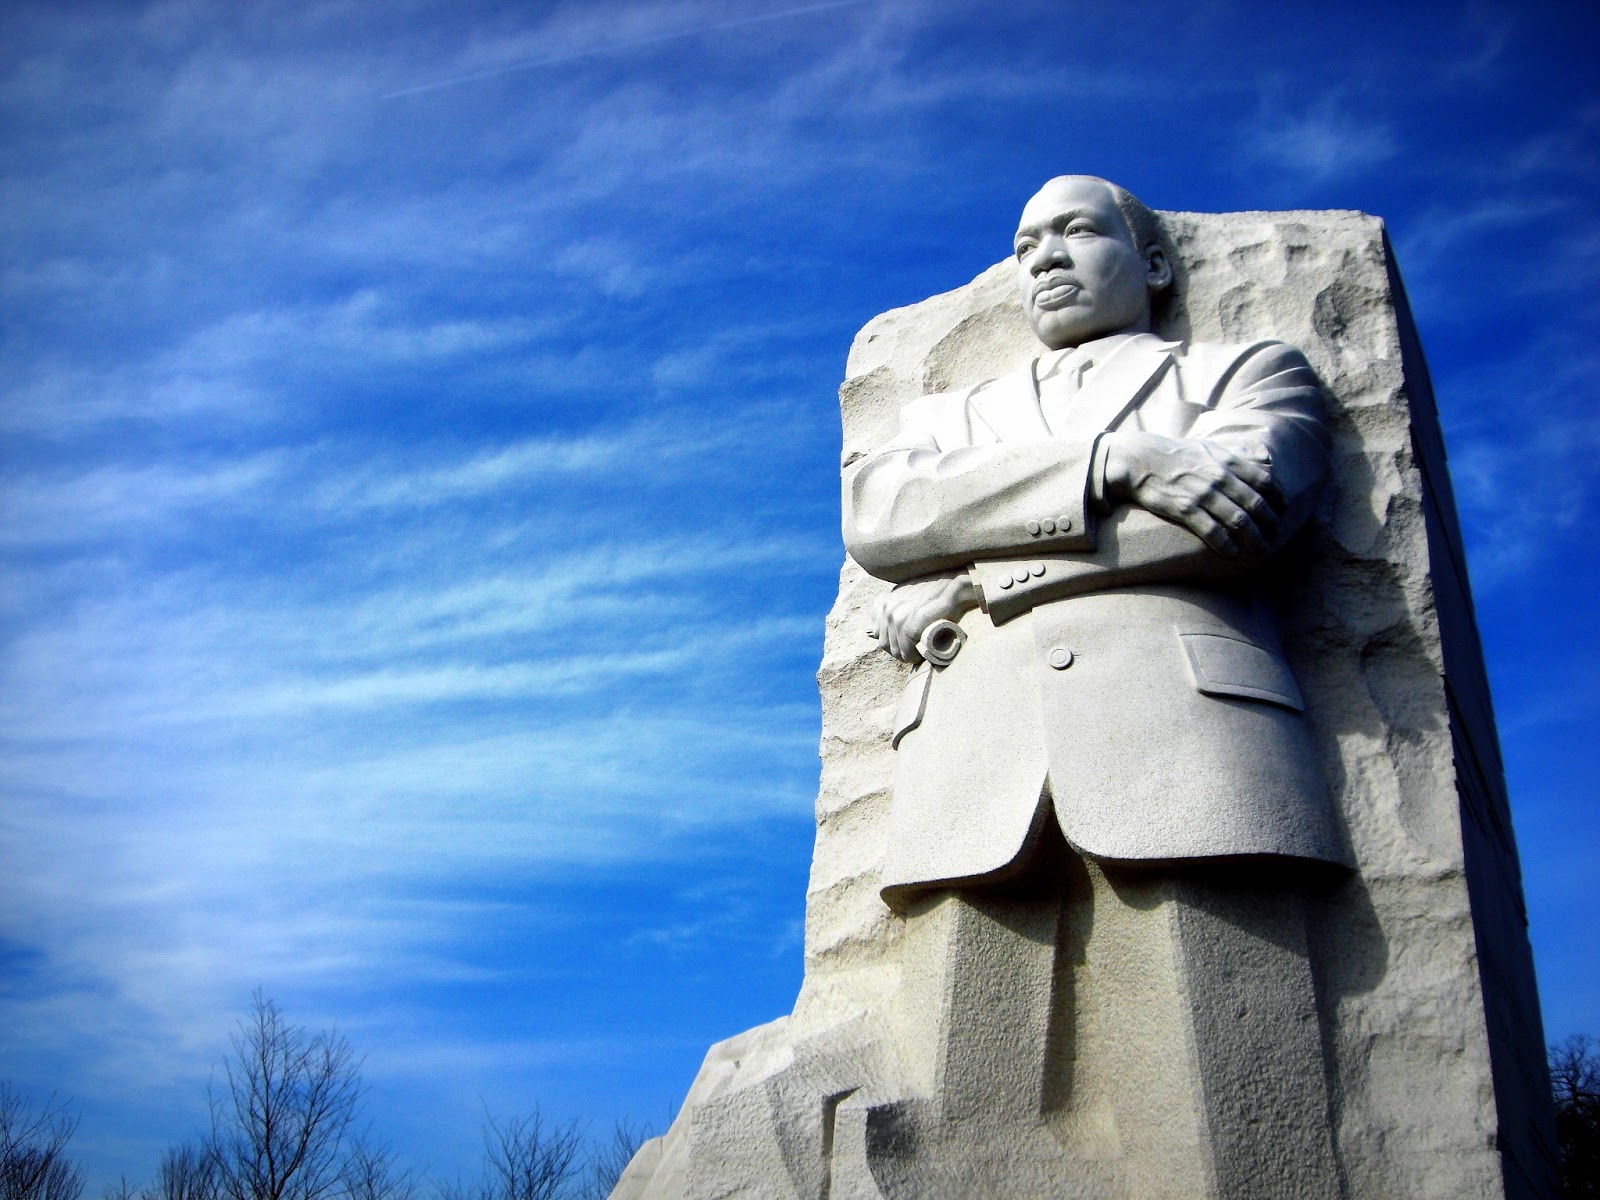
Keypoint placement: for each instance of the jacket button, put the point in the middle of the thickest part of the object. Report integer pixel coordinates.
(1034, 527)
(1064, 524)
(1060, 658)
(1047, 525)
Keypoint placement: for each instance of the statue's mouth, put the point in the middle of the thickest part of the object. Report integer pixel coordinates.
(1054, 291)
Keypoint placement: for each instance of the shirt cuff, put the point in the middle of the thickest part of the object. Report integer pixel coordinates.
(1098, 504)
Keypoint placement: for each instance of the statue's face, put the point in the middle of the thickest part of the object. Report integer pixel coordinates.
(1080, 274)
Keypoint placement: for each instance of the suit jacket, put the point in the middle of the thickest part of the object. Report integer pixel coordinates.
(1116, 656)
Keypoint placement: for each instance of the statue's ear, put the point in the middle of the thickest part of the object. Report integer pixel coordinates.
(1158, 271)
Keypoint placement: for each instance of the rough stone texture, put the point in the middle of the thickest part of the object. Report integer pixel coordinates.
(1423, 987)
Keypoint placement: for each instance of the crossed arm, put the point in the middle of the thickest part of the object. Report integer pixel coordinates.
(1200, 506)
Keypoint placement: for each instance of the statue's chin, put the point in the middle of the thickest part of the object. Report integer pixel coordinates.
(1057, 330)
(1061, 328)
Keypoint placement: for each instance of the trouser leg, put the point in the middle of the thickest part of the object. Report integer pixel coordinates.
(1110, 1032)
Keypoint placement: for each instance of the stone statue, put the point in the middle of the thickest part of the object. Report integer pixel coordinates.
(1097, 523)
(1162, 848)
(1120, 491)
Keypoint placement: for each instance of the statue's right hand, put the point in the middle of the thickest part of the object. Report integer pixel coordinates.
(899, 618)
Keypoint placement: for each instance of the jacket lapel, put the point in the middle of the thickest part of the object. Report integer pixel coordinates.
(1116, 387)
(1009, 406)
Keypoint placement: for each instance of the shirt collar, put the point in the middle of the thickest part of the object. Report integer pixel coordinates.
(1093, 352)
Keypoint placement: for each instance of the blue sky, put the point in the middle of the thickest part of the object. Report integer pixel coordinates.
(420, 482)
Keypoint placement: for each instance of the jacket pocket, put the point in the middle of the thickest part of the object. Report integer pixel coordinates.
(1221, 664)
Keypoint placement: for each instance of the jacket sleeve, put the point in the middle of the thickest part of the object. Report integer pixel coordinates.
(930, 499)
(1268, 400)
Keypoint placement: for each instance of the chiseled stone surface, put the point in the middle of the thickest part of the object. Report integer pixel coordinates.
(1404, 1005)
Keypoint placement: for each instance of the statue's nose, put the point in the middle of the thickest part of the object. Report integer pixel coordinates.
(1053, 253)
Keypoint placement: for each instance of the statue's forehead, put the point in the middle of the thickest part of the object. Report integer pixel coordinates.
(1067, 192)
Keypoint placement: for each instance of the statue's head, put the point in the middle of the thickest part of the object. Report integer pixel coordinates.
(1089, 261)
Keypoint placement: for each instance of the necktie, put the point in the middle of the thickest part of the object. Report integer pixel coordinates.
(1058, 384)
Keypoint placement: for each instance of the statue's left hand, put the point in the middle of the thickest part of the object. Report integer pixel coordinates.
(1224, 497)
(900, 617)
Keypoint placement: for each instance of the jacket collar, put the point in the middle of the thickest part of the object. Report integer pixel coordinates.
(1127, 369)
(1128, 366)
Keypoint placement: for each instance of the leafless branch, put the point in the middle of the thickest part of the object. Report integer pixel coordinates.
(611, 1158)
(370, 1173)
(1575, 1086)
(524, 1158)
(187, 1172)
(33, 1162)
(278, 1131)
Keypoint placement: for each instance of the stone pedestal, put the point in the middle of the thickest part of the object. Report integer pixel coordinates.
(1100, 1032)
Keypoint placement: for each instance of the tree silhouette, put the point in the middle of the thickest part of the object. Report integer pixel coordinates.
(280, 1128)
(1575, 1082)
(187, 1172)
(33, 1161)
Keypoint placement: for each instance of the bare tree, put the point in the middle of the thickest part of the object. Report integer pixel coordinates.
(370, 1173)
(1575, 1083)
(33, 1161)
(524, 1158)
(280, 1129)
(529, 1160)
(611, 1158)
(187, 1172)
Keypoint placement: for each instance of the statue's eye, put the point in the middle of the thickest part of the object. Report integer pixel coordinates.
(1025, 248)
(1079, 227)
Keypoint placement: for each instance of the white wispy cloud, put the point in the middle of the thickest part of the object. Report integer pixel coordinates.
(1324, 141)
(572, 35)
(239, 368)
(353, 478)
(1438, 234)
(1524, 440)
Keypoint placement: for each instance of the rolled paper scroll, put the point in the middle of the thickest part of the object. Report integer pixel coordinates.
(941, 642)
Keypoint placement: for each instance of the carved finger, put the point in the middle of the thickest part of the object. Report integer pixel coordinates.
(908, 648)
(1251, 464)
(901, 644)
(1257, 452)
(1244, 496)
(1252, 470)
(888, 640)
(894, 638)
(1261, 481)
(1213, 533)
(1246, 535)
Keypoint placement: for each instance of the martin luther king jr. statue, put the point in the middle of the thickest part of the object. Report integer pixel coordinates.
(1090, 533)
(1129, 911)
(1094, 522)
